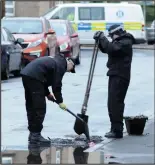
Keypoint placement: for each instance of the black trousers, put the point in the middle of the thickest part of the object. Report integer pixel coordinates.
(35, 103)
(117, 89)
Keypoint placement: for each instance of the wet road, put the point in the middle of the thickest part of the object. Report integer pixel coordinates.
(59, 124)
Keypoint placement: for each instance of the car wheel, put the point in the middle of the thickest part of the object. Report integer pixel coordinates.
(150, 42)
(78, 59)
(5, 73)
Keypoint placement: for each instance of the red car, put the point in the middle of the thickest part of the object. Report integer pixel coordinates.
(66, 34)
(39, 39)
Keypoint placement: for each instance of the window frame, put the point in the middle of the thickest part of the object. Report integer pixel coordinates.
(90, 8)
(10, 7)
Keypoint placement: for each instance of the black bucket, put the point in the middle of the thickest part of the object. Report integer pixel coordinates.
(135, 125)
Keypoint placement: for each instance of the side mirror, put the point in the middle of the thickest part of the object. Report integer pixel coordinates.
(74, 35)
(51, 31)
(19, 40)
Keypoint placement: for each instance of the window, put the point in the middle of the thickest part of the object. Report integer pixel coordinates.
(91, 13)
(23, 26)
(65, 13)
(59, 28)
(9, 8)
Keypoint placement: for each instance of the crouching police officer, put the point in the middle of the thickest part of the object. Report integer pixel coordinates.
(119, 64)
(37, 76)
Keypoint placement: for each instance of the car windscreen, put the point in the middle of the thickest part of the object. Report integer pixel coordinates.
(59, 28)
(23, 26)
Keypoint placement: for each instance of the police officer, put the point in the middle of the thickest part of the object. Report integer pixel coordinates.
(37, 76)
(119, 64)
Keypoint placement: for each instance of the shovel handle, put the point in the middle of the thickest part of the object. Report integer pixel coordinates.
(77, 117)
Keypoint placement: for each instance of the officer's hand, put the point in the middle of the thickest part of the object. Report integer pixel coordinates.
(50, 97)
(97, 35)
(62, 106)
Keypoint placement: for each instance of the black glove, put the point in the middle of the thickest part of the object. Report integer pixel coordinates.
(97, 35)
(51, 98)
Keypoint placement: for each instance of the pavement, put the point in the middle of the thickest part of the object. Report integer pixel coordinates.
(59, 124)
(132, 149)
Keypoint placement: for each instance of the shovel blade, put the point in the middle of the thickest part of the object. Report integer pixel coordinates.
(79, 126)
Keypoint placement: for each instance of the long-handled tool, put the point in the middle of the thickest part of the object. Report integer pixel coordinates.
(84, 124)
(79, 127)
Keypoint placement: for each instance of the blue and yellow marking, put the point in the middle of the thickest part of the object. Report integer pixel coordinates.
(105, 26)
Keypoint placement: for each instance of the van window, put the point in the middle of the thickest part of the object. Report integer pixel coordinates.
(91, 13)
(67, 13)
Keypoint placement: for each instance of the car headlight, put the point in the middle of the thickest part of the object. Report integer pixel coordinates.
(36, 43)
(35, 53)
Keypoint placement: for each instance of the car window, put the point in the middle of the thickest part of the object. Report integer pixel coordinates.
(23, 26)
(10, 37)
(67, 13)
(91, 13)
(59, 28)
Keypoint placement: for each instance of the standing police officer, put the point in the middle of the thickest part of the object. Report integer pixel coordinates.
(37, 76)
(119, 64)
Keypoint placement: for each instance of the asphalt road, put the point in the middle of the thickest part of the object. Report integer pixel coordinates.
(58, 123)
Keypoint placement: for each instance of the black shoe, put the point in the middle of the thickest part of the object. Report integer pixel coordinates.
(37, 137)
(108, 133)
(112, 134)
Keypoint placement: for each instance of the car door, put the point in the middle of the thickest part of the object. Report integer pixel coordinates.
(73, 40)
(15, 56)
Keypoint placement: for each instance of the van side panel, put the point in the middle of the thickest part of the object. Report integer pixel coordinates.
(132, 23)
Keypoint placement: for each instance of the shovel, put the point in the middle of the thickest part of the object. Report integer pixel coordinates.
(80, 120)
(79, 127)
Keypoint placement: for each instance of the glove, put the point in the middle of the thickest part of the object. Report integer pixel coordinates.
(97, 35)
(62, 106)
(50, 97)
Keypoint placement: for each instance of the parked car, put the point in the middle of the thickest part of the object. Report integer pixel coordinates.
(150, 33)
(11, 54)
(39, 38)
(66, 34)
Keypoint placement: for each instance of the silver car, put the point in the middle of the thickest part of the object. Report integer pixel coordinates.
(11, 54)
(150, 33)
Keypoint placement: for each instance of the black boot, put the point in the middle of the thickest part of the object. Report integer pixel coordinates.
(113, 134)
(37, 137)
(109, 131)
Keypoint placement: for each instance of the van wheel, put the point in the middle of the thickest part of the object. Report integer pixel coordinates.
(78, 59)
(6, 72)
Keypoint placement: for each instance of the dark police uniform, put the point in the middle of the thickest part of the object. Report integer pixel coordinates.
(119, 64)
(37, 76)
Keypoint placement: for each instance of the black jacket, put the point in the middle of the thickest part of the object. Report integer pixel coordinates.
(119, 55)
(50, 72)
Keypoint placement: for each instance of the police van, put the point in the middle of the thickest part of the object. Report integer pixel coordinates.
(87, 18)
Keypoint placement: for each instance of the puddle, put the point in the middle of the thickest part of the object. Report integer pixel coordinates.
(38, 154)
